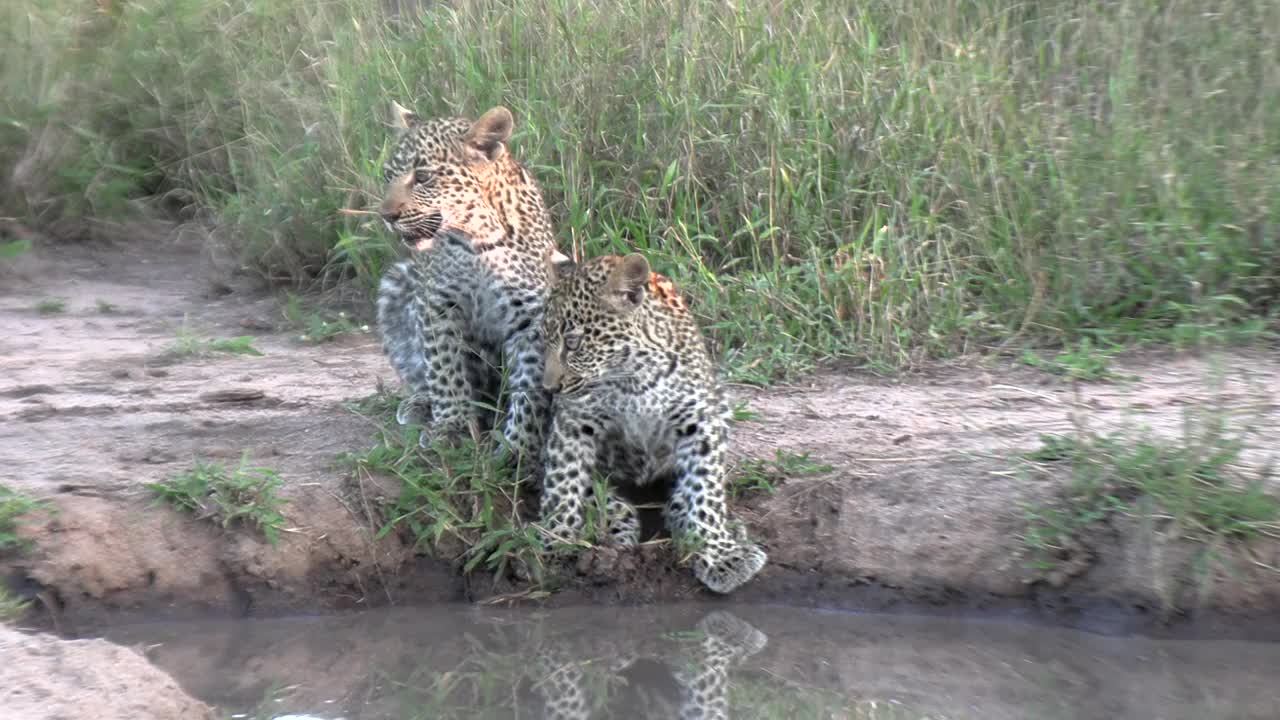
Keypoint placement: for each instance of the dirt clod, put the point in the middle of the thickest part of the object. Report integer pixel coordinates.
(45, 677)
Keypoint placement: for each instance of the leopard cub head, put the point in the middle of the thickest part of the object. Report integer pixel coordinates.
(591, 316)
(443, 174)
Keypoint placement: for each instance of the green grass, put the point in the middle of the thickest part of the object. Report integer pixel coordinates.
(1086, 361)
(12, 607)
(188, 343)
(13, 507)
(318, 325)
(458, 503)
(742, 412)
(894, 181)
(105, 308)
(51, 306)
(14, 248)
(241, 495)
(1193, 482)
(757, 475)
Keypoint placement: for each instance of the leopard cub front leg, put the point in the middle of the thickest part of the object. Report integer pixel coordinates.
(448, 385)
(528, 401)
(698, 509)
(571, 455)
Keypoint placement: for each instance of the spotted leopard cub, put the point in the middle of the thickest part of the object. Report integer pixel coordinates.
(467, 307)
(633, 379)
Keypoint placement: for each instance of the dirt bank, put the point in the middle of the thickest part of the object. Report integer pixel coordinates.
(922, 506)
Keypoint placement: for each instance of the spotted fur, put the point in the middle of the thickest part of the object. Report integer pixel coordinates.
(467, 307)
(633, 379)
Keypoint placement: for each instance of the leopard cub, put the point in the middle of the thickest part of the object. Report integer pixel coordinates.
(632, 378)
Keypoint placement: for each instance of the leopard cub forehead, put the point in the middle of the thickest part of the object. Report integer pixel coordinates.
(426, 142)
(576, 284)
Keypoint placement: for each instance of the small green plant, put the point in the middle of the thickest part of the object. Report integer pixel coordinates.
(13, 506)
(106, 308)
(1084, 362)
(188, 343)
(14, 248)
(379, 406)
(12, 607)
(51, 306)
(758, 475)
(460, 503)
(317, 325)
(245, 494)
(1192, 482)
(743, 413)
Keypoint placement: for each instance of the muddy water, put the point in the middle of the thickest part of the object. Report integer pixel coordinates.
(668, 662)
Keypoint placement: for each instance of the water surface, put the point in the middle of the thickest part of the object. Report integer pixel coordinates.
(700, 661)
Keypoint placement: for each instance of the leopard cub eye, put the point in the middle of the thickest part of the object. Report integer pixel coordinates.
(572, 341)
(421, 176)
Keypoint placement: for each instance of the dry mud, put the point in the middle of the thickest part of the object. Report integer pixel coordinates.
(924, 505)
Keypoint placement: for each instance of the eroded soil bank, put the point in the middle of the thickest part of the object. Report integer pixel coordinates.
(924, 505)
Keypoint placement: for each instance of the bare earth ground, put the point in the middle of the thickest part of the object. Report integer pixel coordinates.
(924, 505)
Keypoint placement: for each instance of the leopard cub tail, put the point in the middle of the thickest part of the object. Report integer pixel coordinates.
(400, 321)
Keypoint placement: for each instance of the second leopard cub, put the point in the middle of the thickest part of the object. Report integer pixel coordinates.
(633, 380)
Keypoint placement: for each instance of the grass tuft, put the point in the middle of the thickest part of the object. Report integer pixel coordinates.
(51, 306)
(188, 343)
(14, 248)
(757, 475)
(742, 412)
(1194, 483)
(459, 503)
(12, 607)
(318, 325)
(245, 494)
(13, 507)
(1082, 362)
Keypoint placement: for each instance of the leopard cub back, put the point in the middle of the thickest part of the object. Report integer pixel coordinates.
(628, 365)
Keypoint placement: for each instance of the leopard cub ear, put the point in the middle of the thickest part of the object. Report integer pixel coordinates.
(489, 134)
(557, 264)
(625, 288)
(402, 118)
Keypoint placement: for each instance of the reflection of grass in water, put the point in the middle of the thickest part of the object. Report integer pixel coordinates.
(489, 684)
(767, 698)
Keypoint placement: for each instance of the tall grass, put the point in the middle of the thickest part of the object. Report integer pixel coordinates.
(890, 179)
